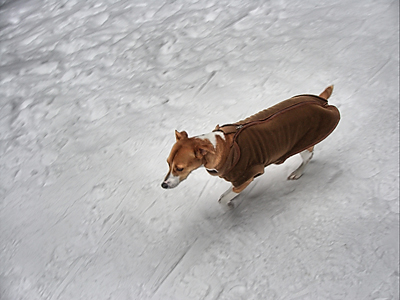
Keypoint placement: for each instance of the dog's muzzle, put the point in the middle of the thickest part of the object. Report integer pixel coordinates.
(170, 181)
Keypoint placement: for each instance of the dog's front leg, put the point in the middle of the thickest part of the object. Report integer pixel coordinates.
(227, 197)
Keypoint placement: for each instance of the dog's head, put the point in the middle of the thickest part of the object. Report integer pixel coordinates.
(186, 155)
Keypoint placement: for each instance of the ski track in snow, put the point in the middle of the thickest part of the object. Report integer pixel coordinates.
(90, 93)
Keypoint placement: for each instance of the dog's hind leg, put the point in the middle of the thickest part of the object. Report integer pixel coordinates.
(306, 156)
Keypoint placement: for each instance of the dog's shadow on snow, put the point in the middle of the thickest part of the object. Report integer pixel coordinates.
(273, 189)
(268, 196)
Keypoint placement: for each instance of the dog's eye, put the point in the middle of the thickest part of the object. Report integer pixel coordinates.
(179, 169)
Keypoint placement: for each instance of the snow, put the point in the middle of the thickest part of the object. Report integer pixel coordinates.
(90, 95)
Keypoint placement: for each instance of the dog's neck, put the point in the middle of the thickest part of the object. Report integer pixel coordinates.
(221, 144)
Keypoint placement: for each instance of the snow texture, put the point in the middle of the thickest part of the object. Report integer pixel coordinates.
(90, 95)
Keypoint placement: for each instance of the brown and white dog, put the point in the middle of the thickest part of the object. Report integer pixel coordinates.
(239, 152)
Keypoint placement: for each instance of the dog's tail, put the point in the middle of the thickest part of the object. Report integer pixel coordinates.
(327, 93)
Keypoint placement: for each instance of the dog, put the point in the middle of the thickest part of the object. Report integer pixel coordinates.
(239, 152)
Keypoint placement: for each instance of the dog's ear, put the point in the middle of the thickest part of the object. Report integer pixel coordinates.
(181, 135)
(202, 149)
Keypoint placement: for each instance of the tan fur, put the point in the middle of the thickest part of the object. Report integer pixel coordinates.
(191, 153)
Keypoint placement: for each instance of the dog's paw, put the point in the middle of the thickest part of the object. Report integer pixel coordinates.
(227, 197)
(224, 200)
(227, 206)
(229, 200)
(295, 175)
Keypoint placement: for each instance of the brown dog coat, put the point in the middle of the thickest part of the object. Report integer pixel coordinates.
(274, 134)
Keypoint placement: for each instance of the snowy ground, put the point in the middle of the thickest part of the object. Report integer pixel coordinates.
(90, 93)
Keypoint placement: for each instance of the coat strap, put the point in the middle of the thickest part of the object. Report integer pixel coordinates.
(228, 128)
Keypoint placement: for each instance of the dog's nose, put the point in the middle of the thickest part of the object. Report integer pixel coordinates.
(164, 185)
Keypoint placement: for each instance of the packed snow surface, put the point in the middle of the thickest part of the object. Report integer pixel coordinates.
(90, 95)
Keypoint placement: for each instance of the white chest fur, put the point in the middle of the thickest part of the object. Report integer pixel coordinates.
(212, 137)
